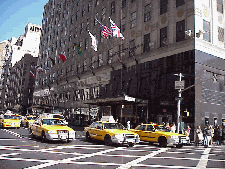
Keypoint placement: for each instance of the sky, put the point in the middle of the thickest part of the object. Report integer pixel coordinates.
(16, 14)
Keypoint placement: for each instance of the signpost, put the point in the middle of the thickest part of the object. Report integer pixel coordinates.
(179, 84)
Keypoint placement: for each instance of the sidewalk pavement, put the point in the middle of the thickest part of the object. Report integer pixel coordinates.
(76, 128)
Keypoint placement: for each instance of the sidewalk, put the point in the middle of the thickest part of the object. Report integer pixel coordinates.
(76, 128)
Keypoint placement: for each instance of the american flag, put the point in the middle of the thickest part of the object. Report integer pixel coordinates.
(116, 30)
(105, 30)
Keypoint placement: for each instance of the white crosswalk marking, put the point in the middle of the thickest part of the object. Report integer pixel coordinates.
(204, 159)
(138, 160)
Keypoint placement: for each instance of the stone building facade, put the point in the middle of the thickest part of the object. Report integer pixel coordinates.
(133, 79)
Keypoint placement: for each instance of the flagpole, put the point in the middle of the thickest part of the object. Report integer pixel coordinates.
(121, 78)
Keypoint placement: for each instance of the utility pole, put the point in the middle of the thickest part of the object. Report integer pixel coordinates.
(179, 86)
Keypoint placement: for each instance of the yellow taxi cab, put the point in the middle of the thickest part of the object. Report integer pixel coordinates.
(155, 133)
(51, 129)
(27, 120)
(9, 120)
(110, 132)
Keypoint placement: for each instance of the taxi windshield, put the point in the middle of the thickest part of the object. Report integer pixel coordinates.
(58, 116)
(10, 117)
(31, 118)
(113, 126)
(52, 122)
(161, 128)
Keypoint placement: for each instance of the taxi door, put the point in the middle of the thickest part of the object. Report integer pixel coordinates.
(150, 133)
(99, 131)
(141, 132)
(35, 126)
(92, 130)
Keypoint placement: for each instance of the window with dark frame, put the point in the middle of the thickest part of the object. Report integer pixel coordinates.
(82, 26)
(87, 28)
(206, 28)
(96, 16)
(163, 6)
(89, 7)
(86, 44)
(100, 60)
(96, 3)
(110, 56)
(220, 6)
(83, 11)
(147, 13)
(163, 37)
(146, 43)
(220, 34)
(133, 20)
(122, 25)
(180, 31)
(113, 6)
(77, 15)
(132, 48)
(179, 3)
(100, 36)
(123, 3)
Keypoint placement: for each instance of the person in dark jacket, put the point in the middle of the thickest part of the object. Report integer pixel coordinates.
(220, 135)
(217, 134)
(205, 136)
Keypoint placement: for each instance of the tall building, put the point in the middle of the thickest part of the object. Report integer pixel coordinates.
(6, 56)
(134, 79)
(21, 85)
(28, 43)
(12, 52)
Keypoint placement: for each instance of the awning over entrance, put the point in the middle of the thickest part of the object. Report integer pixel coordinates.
(116, 100)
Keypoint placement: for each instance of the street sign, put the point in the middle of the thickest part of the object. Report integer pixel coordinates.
(179, 84)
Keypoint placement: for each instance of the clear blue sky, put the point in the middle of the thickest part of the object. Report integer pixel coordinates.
(16, 14)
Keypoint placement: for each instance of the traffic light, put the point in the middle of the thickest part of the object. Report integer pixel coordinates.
(187, 113)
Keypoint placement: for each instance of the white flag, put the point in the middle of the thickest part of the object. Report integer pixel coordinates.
(93, 42)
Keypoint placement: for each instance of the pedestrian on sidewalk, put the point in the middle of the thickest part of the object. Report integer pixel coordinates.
(205, 134)
(209, 136)
(199, 135)
(217, 134)
(220, 135)
(173, 128)
(212, 133)
(188, 130)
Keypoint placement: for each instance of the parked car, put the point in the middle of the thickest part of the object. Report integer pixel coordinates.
(155, 133)
(51, 129)
(111, 132)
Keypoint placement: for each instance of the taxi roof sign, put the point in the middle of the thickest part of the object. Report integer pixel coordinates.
(108, 118)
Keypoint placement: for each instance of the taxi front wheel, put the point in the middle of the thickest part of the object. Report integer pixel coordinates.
(43, 137)
(162, 142)
(88, 137)
(108, 140)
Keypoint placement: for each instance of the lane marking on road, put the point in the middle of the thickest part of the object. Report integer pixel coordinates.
(204, 159)
(68, 160)
(13, 133)
(138, 160)
(160, 166)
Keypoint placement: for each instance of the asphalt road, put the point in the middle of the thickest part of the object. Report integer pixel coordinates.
(19, 151)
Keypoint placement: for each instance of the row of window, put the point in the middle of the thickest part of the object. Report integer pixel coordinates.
(180, 36)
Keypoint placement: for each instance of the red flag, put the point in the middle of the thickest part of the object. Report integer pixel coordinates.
(31, 73)
(63, 57)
